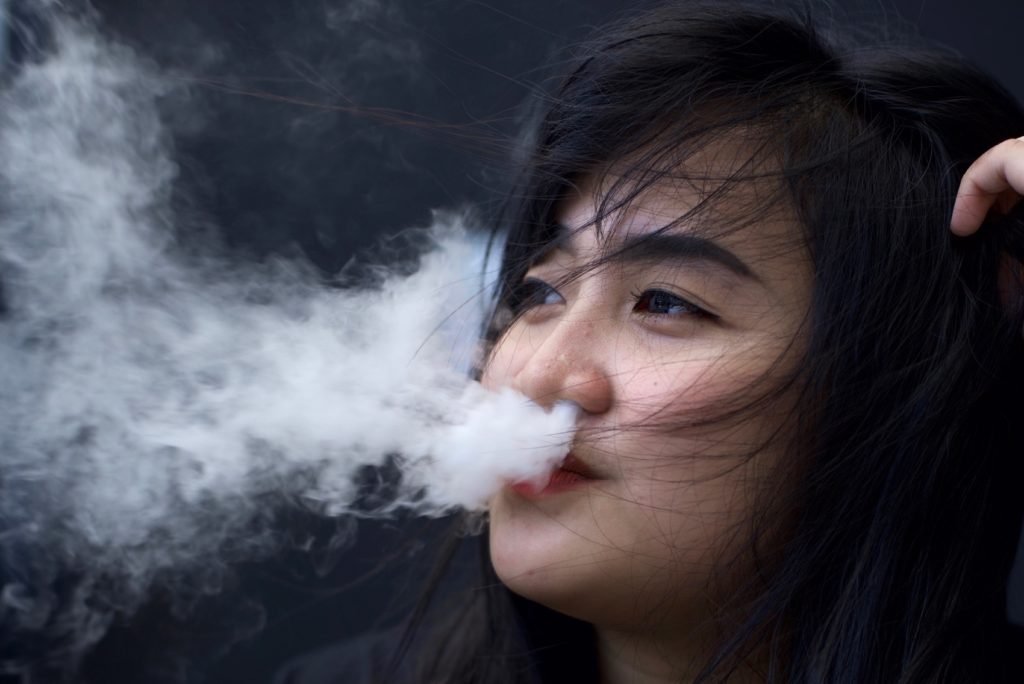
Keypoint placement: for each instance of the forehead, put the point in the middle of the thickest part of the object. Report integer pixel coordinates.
(750, 217)
(721, 196)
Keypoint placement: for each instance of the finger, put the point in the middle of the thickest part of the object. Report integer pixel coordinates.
(996, 176)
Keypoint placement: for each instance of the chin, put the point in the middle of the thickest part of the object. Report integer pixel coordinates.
(553, 552)
(539, 558)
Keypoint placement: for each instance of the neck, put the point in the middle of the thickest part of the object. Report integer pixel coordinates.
(627, 657)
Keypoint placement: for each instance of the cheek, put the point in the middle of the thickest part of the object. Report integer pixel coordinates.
(505, 361)
(678, 387)
(699, 380)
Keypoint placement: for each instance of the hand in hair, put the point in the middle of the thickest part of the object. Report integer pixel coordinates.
(994, 180)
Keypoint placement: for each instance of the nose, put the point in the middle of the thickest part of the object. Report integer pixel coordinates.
(567, 362)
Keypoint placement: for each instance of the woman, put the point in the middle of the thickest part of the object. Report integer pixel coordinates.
(797, 458)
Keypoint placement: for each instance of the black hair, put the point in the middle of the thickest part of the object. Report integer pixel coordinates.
(905, 495)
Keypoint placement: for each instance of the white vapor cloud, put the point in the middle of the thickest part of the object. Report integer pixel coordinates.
(153, 400)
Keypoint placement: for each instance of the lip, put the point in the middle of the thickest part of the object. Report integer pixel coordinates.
(572, 473)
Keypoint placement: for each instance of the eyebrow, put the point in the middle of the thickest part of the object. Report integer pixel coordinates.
(674, 246)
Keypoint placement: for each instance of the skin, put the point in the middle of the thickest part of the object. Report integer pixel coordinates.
(994, 182)
(638, 552)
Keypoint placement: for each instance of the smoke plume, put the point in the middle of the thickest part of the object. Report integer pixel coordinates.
(157, 402)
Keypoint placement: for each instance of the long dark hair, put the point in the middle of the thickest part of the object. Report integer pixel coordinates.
(906, 494)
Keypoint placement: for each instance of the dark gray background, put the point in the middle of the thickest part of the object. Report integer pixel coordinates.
(274, 155)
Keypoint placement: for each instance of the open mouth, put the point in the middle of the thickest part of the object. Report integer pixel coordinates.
(572, 473)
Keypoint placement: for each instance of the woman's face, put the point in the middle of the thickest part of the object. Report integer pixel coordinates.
(662, 335)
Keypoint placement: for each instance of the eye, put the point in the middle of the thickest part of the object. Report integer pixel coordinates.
(661, 303)
(531, 293)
